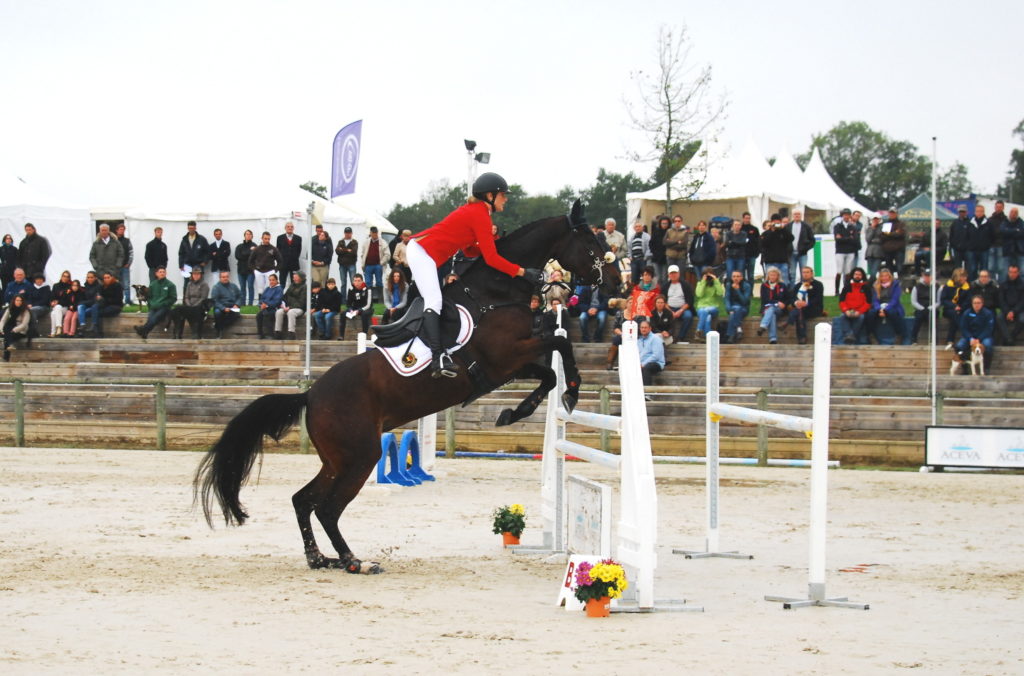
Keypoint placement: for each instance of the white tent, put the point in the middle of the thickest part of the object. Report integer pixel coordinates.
(822, 184)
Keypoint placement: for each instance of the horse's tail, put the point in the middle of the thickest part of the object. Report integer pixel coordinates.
(226, 466)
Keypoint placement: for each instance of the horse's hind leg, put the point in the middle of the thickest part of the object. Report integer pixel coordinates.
(528, 405)
(346, 486)
(309, 498)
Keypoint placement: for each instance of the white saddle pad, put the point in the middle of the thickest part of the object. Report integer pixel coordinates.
(418, 357)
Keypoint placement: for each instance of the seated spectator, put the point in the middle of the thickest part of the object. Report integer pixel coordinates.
(38, 297)
(662, 320)
(886, 305)
(556, 288)
(15, 324)
(327, 307)
(109, 302)
(708, 293)
(292, 308)
(807, 302)
(193, 306)
(773, 304)
(593, 306)
(623, 314)
(227, 301)
(162, 296)
(854, 302)
(652, 353)
(641, 298)
(556, 316)
(17, 285)
(396, 297)
(89, 293)
(737, 305)
(69, 300)
(1011, 302)
(359, 305)
(921, 299)
(986, 287)
(270, 300)
(977, 325)
(56, 309)
(954, 299)
(679, 297)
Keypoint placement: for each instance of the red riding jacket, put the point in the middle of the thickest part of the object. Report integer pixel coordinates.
(467, 228)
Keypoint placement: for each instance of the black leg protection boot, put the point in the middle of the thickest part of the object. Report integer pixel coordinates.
(441, 363)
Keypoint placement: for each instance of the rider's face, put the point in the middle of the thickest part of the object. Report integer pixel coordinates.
(499, 201)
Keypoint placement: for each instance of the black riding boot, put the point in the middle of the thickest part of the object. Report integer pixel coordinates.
(441, 363)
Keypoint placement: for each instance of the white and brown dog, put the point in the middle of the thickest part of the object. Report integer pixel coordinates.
(976, 360)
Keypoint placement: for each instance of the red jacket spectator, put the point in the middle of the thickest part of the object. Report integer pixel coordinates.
(856, 296)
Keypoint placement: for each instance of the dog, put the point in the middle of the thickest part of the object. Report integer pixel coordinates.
(142, 293)
(975, 359)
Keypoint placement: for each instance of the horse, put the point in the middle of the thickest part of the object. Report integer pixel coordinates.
(356, 400)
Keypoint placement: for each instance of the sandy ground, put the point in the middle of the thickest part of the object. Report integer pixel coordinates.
(105, 569)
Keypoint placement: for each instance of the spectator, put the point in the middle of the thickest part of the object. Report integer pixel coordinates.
(1013, 241)
(398, 259)
(264, 261)
(57, 308)
(348, 252)
(227, 301)
(17, 286)
(753, 246)
(593, 306)
(954, 299)
(375, 255)
(293, 307)
(737, 305)
(106, 254)
(978, 243)
(290, 247)
(854, 302)
(193, 306)
(33, 252)
(776, 247)
(1011, 302)
(847, 235)
(996, 262)
(537, 325)
(703, 250)
(219, 255)
(124, 275)
(658, 251)
(156, 253)
(322, 252)
(807, 302)
(679, 297)
(676, 241)
(109, 302)
(89, 293)
(803, 241)
(15, 324)
(8, 261)
(639, 252)
(923, 255)
(735, 249)
(37, 298)
(921, 299)
(719, 264)
(958, 237)
(623, 314)
(162, 296)
(887, 306)
(359, 304)
(556, 289)
(614, 240)
(892, 235)
(977, 325)
(873, 252)
(328, 306)
(652, 354)
(985, 287)
(269, 301)
(69, 300)
(314, 299)
(641, 298)
(708, 293)
(662, 320)
(773, 304)
(246, 275)
(193, 252)
(396, 296)
(556, 317)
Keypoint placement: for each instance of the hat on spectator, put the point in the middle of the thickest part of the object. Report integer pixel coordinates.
(845, 212)
(893, 210)
(673, 268)
(926, 271)
(348, 229)
(962, 207)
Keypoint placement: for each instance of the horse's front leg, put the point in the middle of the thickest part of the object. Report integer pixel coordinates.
(572, 374)
(528, 405)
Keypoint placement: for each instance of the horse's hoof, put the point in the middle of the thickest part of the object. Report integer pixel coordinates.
(357, 567)
(320, 561)
(504, 418)
(568, 402)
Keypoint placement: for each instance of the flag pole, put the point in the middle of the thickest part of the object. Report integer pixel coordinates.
(309, 284)
(933, 317)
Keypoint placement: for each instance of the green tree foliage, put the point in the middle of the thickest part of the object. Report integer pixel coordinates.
(606, 198)
(315, 188)
(1013, 189)
(522, 208)
(954, 183)
(439, 200)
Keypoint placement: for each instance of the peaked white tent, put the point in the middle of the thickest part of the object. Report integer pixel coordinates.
(822, 183)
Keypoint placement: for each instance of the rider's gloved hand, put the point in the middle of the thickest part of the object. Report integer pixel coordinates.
(534, 276)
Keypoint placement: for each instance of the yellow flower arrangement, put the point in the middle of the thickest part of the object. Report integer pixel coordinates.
(510, 519)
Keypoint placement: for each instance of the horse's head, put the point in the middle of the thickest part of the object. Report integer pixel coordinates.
(585, 257)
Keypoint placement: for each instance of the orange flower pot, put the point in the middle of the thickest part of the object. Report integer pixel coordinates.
(601, 607)
(509, 539)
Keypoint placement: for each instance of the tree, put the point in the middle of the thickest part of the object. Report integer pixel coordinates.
(606, 198)
(522, 208)
(315, 188)
(954, 183)
(676, 111)
(439, 200)
(1014, 186)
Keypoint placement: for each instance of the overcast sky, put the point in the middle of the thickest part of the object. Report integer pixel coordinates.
(152, 102)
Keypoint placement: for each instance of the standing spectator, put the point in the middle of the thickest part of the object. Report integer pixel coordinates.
(15, 324)
(398, 259)
(593, 306)
(977, 325)
(270, 300)
(735, 249)
(923, 255)
(348, 253)
(1013, 241)
(162, 296)
(703, 250)
(69, 300)
(124, 275)
(958, 237)
(847, 236)
(293, 307)
(641, 298)
(776, 248)
(246, 276)
(614, 240)
(375, 255)
(37, 298)
(996, 262)
(109, 302)
(854, 302)
(921, 299)
(773, 304)
(719, 264)
(676, 241)
(89, 293)
(737, 305)
(106, 254)
(1011, 302)
(17, 286)
(658, 251)
(639, 251)
(954, 299)
(290, 247)
(194, 250)
(892, 234)
(803, 241)
(264, 261)
(662, 320)
(321, 252)
(57, 308)
(33, 252)
(219, 255)
(679, 298)
(708, 293)
(8, 261)
(156, 253)
(873, 252)
(652, 354)
(753, 246)
(359, 303)
(887, 306)
(979, 241)
(396, 296)
(807, 301)
(227, 301)
(328, 306)
(193, 306)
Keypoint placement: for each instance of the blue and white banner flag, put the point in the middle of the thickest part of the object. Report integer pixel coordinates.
(345, 161)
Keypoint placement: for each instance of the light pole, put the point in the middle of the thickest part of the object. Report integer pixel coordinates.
(473, 159)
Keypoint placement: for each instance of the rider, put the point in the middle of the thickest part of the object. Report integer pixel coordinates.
(467, 228)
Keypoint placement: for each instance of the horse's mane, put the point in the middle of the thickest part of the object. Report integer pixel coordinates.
(513, 242)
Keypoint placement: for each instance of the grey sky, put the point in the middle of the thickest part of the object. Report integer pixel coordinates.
(148, 102)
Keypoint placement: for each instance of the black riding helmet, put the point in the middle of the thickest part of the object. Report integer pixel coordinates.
(489, 182)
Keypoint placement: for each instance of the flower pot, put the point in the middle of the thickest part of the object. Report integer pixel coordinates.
(509, 539)
(599, 607)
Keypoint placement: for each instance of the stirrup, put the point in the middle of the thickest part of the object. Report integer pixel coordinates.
(443, 365)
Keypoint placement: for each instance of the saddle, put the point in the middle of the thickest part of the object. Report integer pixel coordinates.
(408, 328)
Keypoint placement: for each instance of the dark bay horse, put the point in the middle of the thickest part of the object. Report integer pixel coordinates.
(350, 406)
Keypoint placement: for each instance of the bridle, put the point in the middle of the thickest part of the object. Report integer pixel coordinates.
(597, 261)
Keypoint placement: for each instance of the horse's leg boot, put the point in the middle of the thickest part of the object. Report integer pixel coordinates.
(441, 363)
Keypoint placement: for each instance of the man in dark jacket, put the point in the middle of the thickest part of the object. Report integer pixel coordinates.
(978, 243)
(977, 325)
(322, 252)
(294, 307)
(958, 237)
(807, 300)
(847, 235)
(753, 246)
(156, 253)
(220, 254)
(803, 241)
(193, 306)
(996, 263)
(776, 247)
(348, 254)
(33, 252)
(1012, 231)
(109, 301)
(264, 261)
(194, 250)
(593, 307)
(702, 247)
(986, 287)
(227, 298)
(124, 275)
(658, 231)
(290, 246)
(893, 237)
(1011, 302)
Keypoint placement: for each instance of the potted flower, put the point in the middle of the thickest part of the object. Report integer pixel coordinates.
(597, 584)
(510, 520)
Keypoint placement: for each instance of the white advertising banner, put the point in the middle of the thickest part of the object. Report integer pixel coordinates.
(974, 447)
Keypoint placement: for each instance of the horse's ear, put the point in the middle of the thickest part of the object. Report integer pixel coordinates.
(576, 215)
